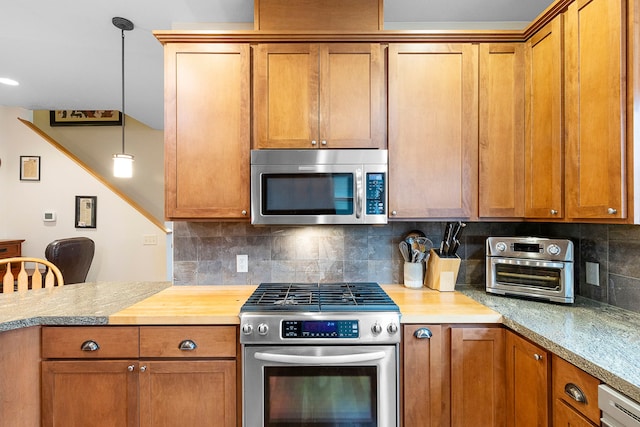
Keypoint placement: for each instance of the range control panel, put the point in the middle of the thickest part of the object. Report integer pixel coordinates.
(320, 329)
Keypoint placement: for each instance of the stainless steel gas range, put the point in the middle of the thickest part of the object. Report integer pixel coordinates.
(320, 355)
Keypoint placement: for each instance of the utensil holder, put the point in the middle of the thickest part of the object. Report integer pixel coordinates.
(442, 272)
(413, 274)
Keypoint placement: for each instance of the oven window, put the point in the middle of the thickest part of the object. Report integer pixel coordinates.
(532, 276)
(307, 194)
(321, 396)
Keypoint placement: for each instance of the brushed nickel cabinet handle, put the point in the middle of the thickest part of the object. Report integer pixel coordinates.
(394, 213)
(553, 212)
(612, 211)
(130, 368)
(537, 356)
(574, 392)
(423, 333)
(244, 212)
(324, 142)
(314, 142)
(90, 345)
(143, 368)
(188, 345)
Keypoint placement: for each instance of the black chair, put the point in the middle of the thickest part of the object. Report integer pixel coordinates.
(73, 256)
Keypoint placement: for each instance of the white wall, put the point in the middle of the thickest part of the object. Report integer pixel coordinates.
(120, 254)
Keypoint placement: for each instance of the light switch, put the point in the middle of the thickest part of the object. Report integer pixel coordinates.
(593, 273)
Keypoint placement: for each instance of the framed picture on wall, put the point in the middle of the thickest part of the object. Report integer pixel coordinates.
(85, 118)
(86, 211)
(29, 168)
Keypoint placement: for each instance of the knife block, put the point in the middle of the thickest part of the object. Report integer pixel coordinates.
(442, 272)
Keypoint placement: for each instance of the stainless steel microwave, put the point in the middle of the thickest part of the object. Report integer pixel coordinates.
(321, 186)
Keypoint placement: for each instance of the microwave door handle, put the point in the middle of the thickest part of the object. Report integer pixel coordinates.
(320, 360)
(358, 193)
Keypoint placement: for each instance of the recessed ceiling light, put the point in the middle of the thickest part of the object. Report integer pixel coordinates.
(8, 81)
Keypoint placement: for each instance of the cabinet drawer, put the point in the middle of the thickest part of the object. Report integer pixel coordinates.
(566, 375)
(10, 250)
(67, 342)
(174, 341)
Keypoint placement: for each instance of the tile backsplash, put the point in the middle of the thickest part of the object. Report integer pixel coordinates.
(205, 253)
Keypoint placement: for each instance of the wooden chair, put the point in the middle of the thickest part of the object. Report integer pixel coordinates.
(31, 274)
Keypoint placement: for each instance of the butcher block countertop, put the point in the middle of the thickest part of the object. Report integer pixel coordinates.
(188, 305)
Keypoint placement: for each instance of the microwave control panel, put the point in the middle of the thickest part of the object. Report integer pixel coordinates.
(375, 193)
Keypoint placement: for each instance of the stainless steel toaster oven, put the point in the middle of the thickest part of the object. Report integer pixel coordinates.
(531, 267)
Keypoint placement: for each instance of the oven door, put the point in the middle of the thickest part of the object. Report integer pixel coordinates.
(320, 386)
(549, 280)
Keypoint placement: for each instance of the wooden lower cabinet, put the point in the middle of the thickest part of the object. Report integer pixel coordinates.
(565, 416)
(422, 376)
(477, 377)
(165, 376)
(528, 376)
(195, 393)
(20, 377)
(575, 395)
(79, 393)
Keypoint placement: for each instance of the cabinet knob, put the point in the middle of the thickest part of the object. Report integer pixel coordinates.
(188, 345)
(323, 142)
(314, 142)
(553, 212)
(423, 333)
(130, 368)
(143, 368)
(244, 212)
(90, 345)
(394, 213)
(537, 356)
(612, 211)
(574, 392)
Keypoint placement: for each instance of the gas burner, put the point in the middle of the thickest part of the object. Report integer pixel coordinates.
(316, 297)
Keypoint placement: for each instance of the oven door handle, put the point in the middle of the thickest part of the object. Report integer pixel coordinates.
(320, 360)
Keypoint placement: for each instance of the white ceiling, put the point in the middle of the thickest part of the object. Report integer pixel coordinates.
(66, 53)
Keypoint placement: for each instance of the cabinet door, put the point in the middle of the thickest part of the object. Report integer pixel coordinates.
(188, 393)
(352, 101)
(595, 100)
(20, 377)
(422, 375)
(286, 95)
(477, 377)
(544, 141)
(207, 130)
(501, 124)
(566, 416)
(528, 383)
(433, 130)
(77, 393)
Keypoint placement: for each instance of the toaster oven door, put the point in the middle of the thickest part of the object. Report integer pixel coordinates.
(549, 280)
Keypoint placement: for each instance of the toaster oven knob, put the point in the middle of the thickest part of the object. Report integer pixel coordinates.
(376, 328)
(501, 246)
(247, 329)
(263, 329)
(554, 250)
(392, 328)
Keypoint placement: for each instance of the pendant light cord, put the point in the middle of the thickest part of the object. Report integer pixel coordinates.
(123, 114)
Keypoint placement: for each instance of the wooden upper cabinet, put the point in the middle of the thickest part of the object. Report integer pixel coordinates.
(207, 130)
(433, 130)
(544, 182)
(312, 95)
(595, 102)
(501, 149)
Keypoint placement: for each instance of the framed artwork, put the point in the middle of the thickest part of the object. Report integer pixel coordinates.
(86, 211)
(85, 118)
(29, 168)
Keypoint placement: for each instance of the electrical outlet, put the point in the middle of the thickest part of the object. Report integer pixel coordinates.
(593, 273)
(242, 263)
(149, 239)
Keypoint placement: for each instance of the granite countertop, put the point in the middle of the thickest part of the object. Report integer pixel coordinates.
(82, 304)
(601, 339)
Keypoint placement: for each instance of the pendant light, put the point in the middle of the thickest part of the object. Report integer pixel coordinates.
(122, 163)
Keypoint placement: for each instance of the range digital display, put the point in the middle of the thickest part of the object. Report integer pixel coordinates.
(320, 329)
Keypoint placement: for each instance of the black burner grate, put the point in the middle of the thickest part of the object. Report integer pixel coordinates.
(315, 297)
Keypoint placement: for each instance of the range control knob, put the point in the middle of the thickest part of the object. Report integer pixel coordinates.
(376, 328)
(263, 329)
(247, 329)
(501, 246)
(554, 250)
(392, 328)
